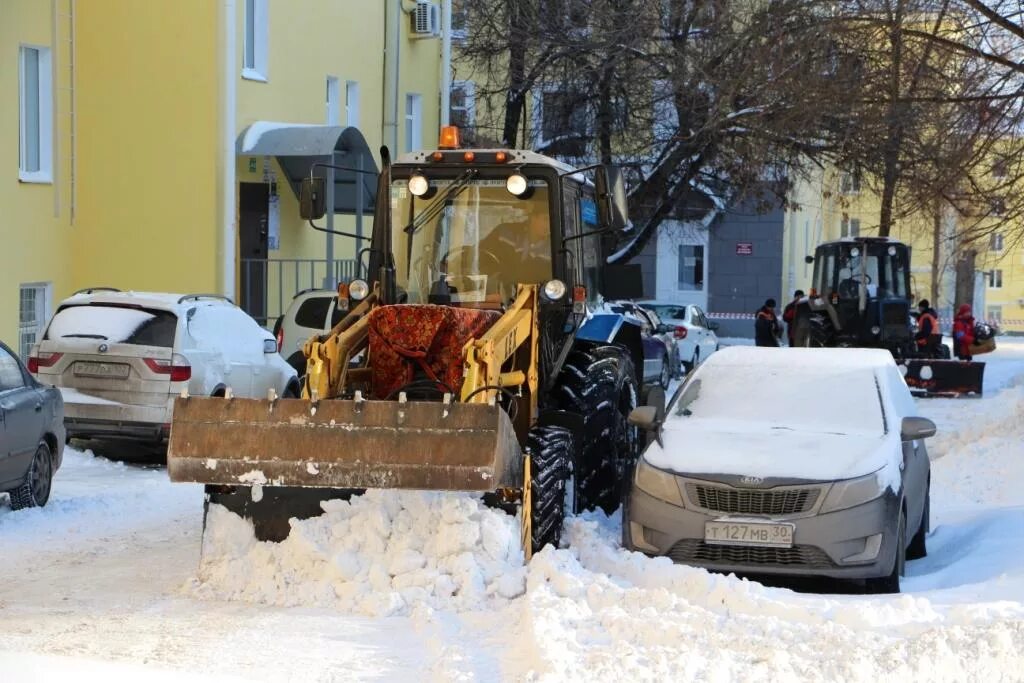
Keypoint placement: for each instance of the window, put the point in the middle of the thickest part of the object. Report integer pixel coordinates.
(995, 242)
(333, 103)
(116, 324)
(413, 122)
(462, 106)
(312, 312)
(33, 310)
(995, 279)
(849, 227)
(994, 314)
(999, 169)
(562, 115)
(352, 104)
(10, 372)
(997, 207)
(691, 267)
(460, 19)
(35, 115)
(254, 52)
(849, 182)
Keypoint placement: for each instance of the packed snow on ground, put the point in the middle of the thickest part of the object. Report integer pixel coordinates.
(105, 583)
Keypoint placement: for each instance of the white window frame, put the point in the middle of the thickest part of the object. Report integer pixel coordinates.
(352, 104)
(995, 279)
(333, 103)
(459, 7)
(538, 113)
(44, 80)
(681, 262)
(255, 47)
(849, 226)
(413, 121)
(994, 314)
(35, 325)
(468, 89)
(997, 242)
(849, 182)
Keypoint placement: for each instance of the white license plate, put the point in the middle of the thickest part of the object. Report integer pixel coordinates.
(748, 533)
(87, 369)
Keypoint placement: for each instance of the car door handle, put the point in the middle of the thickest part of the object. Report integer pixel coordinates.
(39, 406)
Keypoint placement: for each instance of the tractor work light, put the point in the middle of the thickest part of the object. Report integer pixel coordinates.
(418, 185)
(516, 184)
(358, 289)
(554, 289)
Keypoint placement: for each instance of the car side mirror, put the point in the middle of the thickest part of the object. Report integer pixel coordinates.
(914, 428)
(612, 205)
(312, 199)
(269, 346)
(712, 325)
(645, 417)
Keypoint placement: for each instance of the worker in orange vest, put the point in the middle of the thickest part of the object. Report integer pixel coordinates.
(928, 337)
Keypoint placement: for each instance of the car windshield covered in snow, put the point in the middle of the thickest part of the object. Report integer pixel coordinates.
(819, 398)
(115, 324)
(474, 239)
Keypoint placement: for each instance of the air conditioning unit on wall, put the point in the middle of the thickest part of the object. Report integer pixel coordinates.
(426, 20)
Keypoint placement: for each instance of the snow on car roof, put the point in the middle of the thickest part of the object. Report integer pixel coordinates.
(160, 300)
(799, 359)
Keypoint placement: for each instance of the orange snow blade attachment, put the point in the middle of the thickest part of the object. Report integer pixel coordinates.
(343, 444)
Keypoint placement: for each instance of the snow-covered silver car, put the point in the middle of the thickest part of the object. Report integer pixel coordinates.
(121, 358)
(786, 461)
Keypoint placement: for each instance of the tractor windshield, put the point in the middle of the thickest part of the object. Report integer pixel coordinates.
(880, 267)
(471, 241)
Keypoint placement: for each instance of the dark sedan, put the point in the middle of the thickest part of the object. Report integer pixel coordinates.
(31, 433)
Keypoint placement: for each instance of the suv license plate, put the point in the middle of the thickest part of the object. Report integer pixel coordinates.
(115, 370)
(748, 533)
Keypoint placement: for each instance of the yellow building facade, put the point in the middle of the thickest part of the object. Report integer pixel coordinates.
(126, 168)
(831, 204)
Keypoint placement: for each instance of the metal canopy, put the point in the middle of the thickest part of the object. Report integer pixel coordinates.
(298, 146)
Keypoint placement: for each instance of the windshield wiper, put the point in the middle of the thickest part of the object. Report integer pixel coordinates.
(432, 210)
(84, 336)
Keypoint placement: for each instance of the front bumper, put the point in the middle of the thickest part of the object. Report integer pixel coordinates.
(837, 544)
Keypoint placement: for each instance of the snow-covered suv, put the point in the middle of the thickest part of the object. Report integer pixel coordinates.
(121, 358)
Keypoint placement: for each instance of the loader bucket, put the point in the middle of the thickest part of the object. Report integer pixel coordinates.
(944, 378)
(343, 444)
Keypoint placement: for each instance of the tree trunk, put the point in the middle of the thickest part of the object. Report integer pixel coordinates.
(965, 278)
(891, 158)
(604, 114)
(515, 101)
(936, 253)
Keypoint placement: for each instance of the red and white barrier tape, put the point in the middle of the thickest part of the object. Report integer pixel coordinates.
(945, 321)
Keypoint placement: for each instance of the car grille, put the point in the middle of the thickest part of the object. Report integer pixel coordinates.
(752, 501)
(698, 552)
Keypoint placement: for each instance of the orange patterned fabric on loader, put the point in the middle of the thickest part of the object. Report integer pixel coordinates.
(411, 337)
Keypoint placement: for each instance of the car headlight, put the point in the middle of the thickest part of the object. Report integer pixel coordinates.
(852, 492)
(658, 483)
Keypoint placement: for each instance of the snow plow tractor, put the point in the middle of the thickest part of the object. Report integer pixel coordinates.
(462, 364)
(861, 298)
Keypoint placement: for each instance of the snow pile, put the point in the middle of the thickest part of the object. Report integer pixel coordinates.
(382, 553)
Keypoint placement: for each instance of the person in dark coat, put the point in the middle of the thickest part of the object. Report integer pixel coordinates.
(963, 332)
(928, 336)
(789, 315)
(766, 325)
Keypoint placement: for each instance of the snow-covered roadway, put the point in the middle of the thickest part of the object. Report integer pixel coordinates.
(104, 583)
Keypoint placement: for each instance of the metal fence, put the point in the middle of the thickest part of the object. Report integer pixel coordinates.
(269, 285)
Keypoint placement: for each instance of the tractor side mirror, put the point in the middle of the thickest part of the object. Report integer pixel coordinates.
(312, 199)
(808, 259)
(611, 198)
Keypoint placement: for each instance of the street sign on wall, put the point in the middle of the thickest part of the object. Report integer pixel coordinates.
(744, 248)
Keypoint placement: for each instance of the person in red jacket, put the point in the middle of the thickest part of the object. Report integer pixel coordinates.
(963, 332)
(789, 315)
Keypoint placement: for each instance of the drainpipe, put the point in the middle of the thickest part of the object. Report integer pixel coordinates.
(392, 38)
(446, 61)
(229, 217)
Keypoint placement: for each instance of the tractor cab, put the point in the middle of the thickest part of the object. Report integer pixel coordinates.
(863, 295)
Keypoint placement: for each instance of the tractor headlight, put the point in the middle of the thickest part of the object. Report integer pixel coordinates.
(418, 185)
(554, 289)
(852, 492)
(658, 483)
(358, 289)
(516, 184)
(876, 330)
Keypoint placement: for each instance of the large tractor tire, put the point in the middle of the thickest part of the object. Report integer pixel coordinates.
(550, 450)
(599, 383)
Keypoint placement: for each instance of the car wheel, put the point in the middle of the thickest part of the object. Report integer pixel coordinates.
(918, 544)
(666, 372)
(891, 583)
(35, 491)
